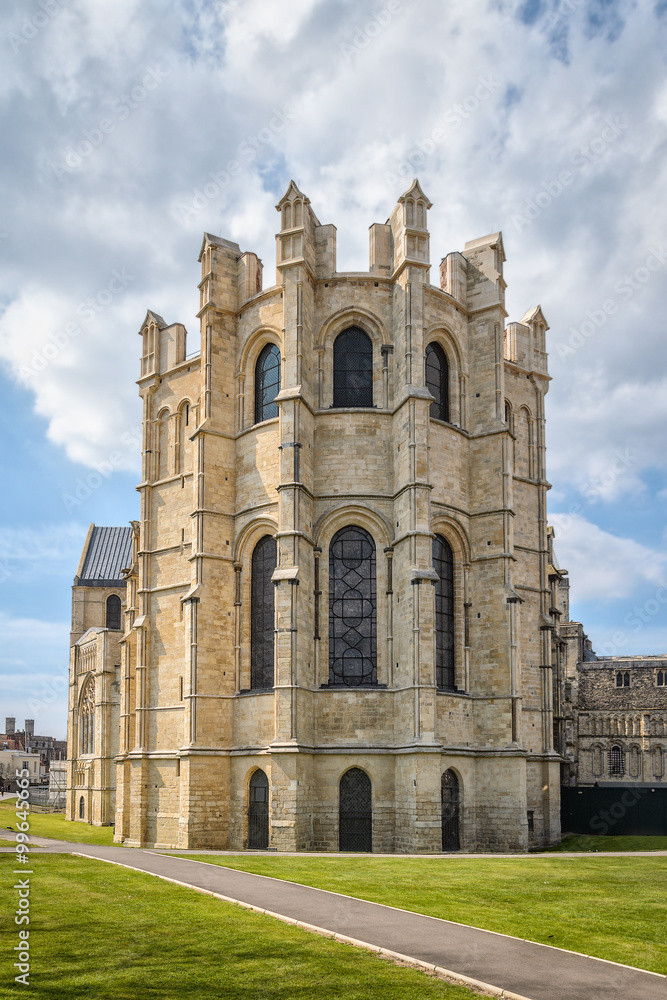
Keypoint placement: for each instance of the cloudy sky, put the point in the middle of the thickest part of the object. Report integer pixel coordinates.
(130, 127)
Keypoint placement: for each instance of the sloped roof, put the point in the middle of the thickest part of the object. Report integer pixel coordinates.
(107, 552)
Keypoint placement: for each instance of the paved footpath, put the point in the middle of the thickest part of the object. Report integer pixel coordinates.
(522, 968)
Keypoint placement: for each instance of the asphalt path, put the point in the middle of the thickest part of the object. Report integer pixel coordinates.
(523, 968)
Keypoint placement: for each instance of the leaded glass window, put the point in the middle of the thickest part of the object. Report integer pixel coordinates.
(443, 563)
(258, 811)
(113, 612)
(267, 383)
(353, 368)
(352, 608)
(449, 799)
(355, 811)
(87, 718)
(616, 760)
(437, 381)
(262, 625)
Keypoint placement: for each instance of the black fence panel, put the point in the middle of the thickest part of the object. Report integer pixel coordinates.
(627, 810)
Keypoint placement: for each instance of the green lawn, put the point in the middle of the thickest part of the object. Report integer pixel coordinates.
(55, 825)
(586, 842)
(103, 932)
(614, 908)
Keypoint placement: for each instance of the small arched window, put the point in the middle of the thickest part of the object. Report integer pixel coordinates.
(353, 368)
(82, 808)
(258, 812)
(661, 679)
(113, 612)
(626, 679)
(87, 718)
(449, 799)
(437, 381)
(267, 383)
(355, 811)
(352, 608)
(619, 680)
(262, 625)
(616, 760)
(443, 564)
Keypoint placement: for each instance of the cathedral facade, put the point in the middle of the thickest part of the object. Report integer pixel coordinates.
(339, 616)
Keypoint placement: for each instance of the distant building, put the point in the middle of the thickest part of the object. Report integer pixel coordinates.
(12, 761)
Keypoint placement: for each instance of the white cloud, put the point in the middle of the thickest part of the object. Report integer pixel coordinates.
(602, 566)
(356, 120)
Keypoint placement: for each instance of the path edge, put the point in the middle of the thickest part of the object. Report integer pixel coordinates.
(415, 963)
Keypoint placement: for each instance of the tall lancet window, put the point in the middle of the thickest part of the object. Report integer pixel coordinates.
(437, 381)
(443, 563)
(87, 718)
(267, 383)
(353, 368)
(352, 608)
(113, 612)
(264, 559)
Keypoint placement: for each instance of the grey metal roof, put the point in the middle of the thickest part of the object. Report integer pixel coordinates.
(109, 551)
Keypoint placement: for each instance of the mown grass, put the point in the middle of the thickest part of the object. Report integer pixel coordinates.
(56, 826)
(613, 908)
(111, 934)
(588, 842)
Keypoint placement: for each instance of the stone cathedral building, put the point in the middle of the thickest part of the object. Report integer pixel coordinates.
(338, 612)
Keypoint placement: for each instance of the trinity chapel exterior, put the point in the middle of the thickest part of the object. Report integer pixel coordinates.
(339, 609)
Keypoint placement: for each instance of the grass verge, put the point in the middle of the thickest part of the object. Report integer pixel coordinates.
(55, 825)
(111, 934)
(614, 908)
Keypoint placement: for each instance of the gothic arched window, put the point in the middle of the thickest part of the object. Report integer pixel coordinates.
(258, 811)
(619, 680)
(616, 760)
(353, 368)
(355, 811)
(450, 800)
(352, 608)
(113, 612)
(267, 383)
(264, 559)
(437, 381)
(87, 718)
(82, 808)
(443, 564)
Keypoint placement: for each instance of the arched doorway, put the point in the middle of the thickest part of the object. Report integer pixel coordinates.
(355, 812)
(449, 797)
(258, 812)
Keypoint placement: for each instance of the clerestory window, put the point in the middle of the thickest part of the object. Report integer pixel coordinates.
(267, 383)
(353, 368)
(437, 381)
